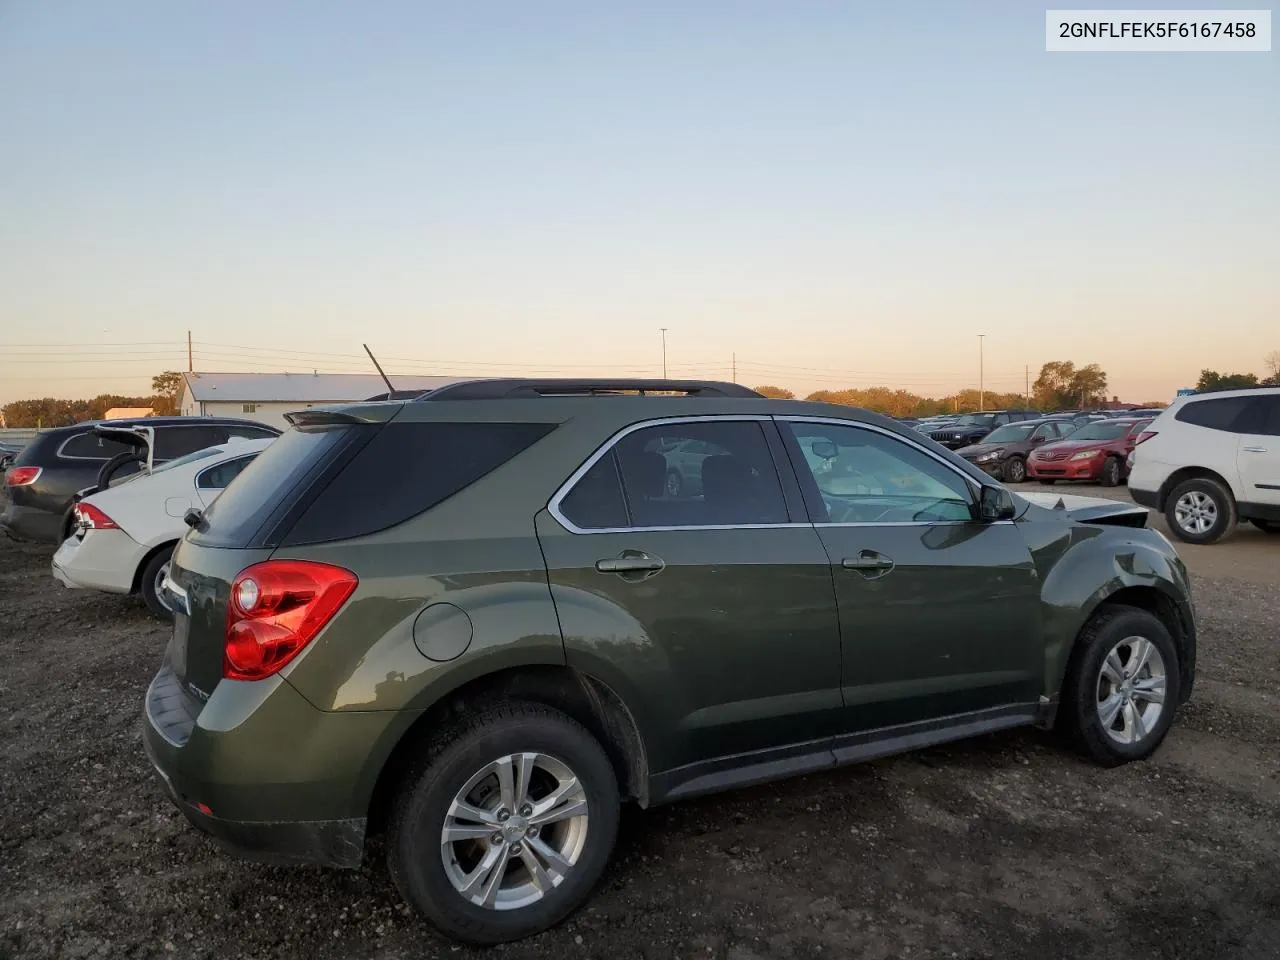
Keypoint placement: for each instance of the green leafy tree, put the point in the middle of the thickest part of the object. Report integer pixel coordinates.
(1211, 381)
(776, 393)
(167, 387)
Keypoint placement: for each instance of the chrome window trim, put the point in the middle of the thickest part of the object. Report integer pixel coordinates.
(553, 506)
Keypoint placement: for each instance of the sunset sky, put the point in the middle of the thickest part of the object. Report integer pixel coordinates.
(841, 194)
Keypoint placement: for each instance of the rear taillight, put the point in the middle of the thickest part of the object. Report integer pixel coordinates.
(91, 518)
(276, 608)
(1144, 436)
(22, 476)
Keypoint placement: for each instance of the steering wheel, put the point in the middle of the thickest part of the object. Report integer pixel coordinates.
(838, 511)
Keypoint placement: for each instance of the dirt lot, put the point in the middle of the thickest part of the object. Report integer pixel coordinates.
(1002, 847)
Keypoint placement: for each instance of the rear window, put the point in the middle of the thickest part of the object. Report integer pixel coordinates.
(1220, 414)
(290, 463)
(407, 468)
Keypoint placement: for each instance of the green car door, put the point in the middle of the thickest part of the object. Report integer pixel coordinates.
(939, 612)
(712, 615)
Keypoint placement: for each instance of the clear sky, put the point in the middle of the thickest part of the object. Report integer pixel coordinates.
(841, 193)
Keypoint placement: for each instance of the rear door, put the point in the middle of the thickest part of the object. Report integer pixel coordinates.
(939, 612)
(1258, 453)
(712, 612)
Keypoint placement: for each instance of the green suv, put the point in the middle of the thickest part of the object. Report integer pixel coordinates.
(476, 622)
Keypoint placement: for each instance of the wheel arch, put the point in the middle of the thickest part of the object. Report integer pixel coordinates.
(584, 698)
(1182, 475)
(146, 558)
(1139, 575)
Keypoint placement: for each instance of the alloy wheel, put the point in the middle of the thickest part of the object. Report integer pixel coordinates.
(515, 831)
(1131, 690)
(1017, 471)
(1196, 512)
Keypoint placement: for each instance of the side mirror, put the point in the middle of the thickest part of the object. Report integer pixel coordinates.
(825, 449)
(995, 503)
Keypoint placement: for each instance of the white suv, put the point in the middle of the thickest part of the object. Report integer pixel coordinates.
(1210, 460)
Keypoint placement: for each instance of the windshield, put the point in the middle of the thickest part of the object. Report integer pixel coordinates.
(1101, 431)
(1010, 433)
(975, 420)
(189, 458)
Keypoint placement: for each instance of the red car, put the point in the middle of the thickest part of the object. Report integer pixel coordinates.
(1097, 451)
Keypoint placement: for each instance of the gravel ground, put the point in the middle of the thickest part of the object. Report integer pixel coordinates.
(1005, 846)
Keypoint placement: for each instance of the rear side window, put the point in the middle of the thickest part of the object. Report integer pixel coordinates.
(1220, 414)
(1271, 415)
(405, 469)
(90, 446)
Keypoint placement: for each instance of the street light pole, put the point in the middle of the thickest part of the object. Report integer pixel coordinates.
(664, 352)
(982, 384)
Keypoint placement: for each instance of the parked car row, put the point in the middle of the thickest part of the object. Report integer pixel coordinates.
(476, 628)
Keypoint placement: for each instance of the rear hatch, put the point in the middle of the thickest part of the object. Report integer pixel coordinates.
(244, 525)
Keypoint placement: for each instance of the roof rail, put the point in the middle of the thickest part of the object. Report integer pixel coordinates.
(518, 388)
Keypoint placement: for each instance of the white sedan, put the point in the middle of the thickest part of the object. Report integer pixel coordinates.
(125, 535)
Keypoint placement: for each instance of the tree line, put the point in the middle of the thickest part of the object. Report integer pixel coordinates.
(52, 412)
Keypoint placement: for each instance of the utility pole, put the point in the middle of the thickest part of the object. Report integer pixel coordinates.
(735, 368)
(982, 384)
(190, 366)
(1026, 371)
(664, 352)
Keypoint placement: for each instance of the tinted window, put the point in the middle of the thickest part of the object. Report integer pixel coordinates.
(172, 442)
(596, 502)
(1271, 415)
(405, 469)
(1219, 414)
(867, 477)
(703, 474)
(217, 478)
(93, 447)
(290, 463)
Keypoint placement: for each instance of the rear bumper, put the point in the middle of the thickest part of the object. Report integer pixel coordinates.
(103, 560)
(29, 523)
(265, 773)
(329, 843)
(1145, 498)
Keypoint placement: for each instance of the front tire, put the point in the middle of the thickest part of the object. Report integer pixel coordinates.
(1200, 511)
(504, 825)
(1122, 686)
(1015, 471)
(1112, 472)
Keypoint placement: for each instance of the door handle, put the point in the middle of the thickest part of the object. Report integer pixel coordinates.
(1254, 449)
(630, 562)
(868, 561)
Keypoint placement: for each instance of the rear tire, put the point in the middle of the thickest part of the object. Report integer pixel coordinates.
(458, 767)
(1109, 708)
(149, 581)
(1112, 472)
(1200, 511)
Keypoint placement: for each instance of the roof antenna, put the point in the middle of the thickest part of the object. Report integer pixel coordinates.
(391, 391)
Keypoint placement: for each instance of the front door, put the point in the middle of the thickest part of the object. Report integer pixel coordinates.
(710, 611)
(939, 613)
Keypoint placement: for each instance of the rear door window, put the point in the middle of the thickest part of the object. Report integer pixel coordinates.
(173, 442)
(694, 474)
